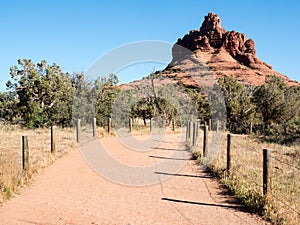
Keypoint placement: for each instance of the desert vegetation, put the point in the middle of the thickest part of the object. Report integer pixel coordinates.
(40, 95)
(262, 117)
(12, 175)
(271, 110)
(245, 178)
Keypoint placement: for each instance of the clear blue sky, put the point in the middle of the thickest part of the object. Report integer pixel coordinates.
(74, 34)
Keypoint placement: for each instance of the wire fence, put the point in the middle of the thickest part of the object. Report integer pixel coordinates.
(286, 186)
(264, 175)
(246, 174)
(11, 172)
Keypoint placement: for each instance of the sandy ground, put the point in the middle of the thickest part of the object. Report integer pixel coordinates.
(71, 192)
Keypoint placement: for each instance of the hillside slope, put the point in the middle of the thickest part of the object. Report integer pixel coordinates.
(203, 55)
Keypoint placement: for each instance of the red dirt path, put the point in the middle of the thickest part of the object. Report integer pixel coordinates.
(70, 192)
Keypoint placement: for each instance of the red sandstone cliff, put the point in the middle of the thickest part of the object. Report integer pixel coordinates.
(203, 55)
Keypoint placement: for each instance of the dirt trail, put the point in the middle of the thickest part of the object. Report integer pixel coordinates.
(70, 192)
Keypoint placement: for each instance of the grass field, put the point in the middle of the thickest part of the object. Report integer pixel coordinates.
(244, 179)
(12, 177)
(246, 176)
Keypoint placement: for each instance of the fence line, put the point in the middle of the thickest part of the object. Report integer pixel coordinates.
(287, 205)
(295, 167)
(24, 152)
(267, 160)
(95, 128)
(28, 157)
(53, 144)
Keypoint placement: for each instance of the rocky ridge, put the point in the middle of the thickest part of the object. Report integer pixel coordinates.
(203, 55)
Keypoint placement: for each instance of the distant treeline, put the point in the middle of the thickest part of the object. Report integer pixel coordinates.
(271, 110)
(41, 95)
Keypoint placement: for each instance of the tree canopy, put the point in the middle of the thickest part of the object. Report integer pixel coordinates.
(41, 94)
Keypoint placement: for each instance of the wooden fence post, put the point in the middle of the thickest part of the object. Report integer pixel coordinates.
(94, 127)
(187, 131)
(205, 140)
(25, 153)
(78, 129)
(109, 126)
(194, 133)
(210, 124)
(173, 125)
(228, 152)
(267, 172)
(130, 125)
(190, 129)
(53, 144)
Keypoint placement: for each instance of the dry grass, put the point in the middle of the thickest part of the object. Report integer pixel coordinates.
(12, 177)
(245, 178)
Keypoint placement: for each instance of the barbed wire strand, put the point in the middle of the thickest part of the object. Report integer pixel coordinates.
(287, 205)
(295, 167)
(246, 176)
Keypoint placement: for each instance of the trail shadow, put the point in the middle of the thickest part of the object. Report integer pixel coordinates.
(224, 191)
(180, 142)
(236, 207)
(30, 222)
(183, 175)
(162, 157)
(171, 149)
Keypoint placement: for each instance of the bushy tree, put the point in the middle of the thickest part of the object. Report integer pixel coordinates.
(151, 107)
(58, 95)
(144, 109)
(84, 99)
(279, 107)
(26, 84)
(270, 99)
(8, 107)
(239, 106)
(201, 103)
(106, 91)
(43, 93)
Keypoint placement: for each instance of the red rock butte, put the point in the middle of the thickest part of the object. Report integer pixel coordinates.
(203, 55)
